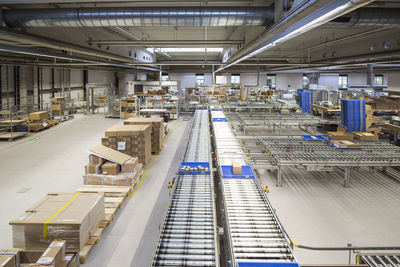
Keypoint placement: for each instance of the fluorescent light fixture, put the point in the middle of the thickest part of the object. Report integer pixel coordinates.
(295, 32)
(186, 50)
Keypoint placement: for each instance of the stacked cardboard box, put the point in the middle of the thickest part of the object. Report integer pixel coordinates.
(157, 131)
(341, 134)
(344, 144)
(365, 136)
(73, 217)
(38, 121)
(110, 167)
(9, 257)
(58, 108)
(371, 119)
(133, 140)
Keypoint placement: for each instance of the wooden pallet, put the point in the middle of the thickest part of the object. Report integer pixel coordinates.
(115, 197)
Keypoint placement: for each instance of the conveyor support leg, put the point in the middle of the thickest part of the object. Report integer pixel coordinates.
(346, 176)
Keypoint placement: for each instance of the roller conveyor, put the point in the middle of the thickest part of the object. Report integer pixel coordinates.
(380, 260)
(188, 235)
(254, 232)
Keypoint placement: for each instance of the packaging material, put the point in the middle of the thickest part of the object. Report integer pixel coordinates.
(38, 116)
(341, 134)
(73, 217)
(344, 144)
(157, 133)
(106, 153)
(130, 165)
(93, 159)
(120, 179)
(236, 168)
(285, 111)
(30, 258)
(133, 140)
(54, 254)
(110, 168)
(9, 257)
(364, 136)
(93, 168)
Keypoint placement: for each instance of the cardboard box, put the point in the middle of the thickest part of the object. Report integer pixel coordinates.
(236, 168)
(40, 224)
(54, 254)
(341, 134)
(57, 107)
(157, 131)
(110, 168)
(344, 144)
(130, 165)
(364, 136)
(38, 116)
(93, 159)
(9, 257)
(93, 168)
(121, 179)
(29, 258)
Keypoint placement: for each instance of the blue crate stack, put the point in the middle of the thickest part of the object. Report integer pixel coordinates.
(354, 115)
(305, 99)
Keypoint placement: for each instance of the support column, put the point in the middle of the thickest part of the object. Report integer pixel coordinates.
(85, 81)
(52, 82)
(17, 88)
(279, 176)
(346, 176)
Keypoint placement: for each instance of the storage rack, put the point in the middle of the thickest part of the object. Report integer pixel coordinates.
(276, 152)
(254, 232)
(130, 105)
(188, 236)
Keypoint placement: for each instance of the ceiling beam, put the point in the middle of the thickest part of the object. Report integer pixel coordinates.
(163, 43)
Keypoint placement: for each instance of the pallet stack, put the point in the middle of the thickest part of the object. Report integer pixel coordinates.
(354, 115)
(157, 131)
(133, 140)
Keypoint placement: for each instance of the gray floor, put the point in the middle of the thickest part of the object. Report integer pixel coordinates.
(53, 160)
(316, 210)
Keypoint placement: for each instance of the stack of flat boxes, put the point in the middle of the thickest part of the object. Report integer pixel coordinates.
(38, 121)
(157, 131)
(133, 140)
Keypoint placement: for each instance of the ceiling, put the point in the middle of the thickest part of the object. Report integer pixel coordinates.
(182, 48)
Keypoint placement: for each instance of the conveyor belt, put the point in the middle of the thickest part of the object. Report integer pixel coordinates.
(188, 234)
(254, 232)
(380, 260)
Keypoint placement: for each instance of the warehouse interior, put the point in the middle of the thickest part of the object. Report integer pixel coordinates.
(200, 133)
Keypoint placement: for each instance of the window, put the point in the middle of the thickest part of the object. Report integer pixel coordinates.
(271, 81)
(164, 77)
(306, 81)
(378, 80)
(343, 81)
(199, 80)
(235, 78)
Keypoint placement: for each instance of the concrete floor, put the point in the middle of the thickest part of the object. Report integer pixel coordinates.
(53, 161)
(316, 210)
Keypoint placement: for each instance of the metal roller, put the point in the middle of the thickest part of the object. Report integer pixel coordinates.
(188, 234)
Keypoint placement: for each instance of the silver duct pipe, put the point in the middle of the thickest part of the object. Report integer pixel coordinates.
(139, 16)
(369, 17)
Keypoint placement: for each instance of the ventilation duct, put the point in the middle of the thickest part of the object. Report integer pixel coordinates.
(139, 16)
(369, 17)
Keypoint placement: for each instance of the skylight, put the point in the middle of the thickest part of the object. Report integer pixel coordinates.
(187, 50)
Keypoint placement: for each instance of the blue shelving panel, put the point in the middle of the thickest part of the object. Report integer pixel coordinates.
(354, 115)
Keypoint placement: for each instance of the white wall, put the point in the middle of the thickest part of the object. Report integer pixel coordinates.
(328, 79)
(250, 79)
(393, 81)
(283, 80)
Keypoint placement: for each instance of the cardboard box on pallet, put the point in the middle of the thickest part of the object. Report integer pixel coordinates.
(9, 257)
(30, 258)
(120, 168)
(73, 217)
(157, 131)
(133, 140)
(38, 116)
(54, 254)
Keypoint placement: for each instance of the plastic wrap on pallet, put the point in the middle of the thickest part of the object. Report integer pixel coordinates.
(121, 179)
(73, 217)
